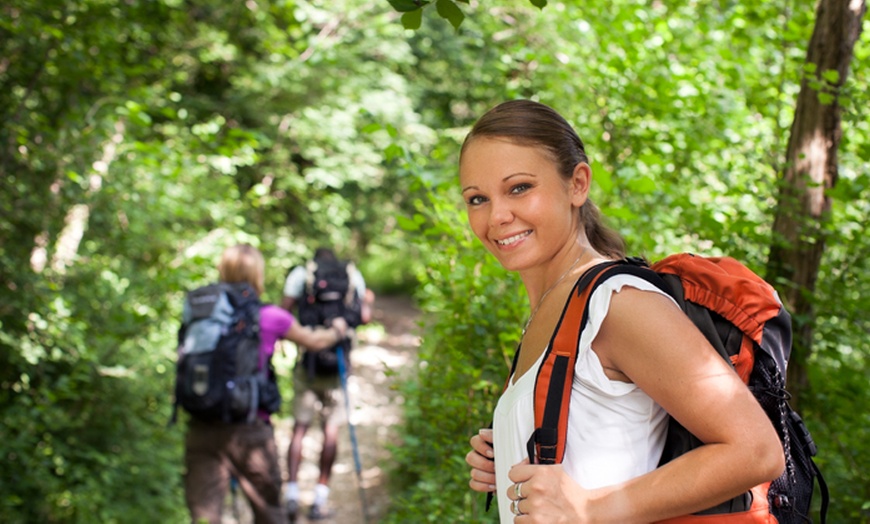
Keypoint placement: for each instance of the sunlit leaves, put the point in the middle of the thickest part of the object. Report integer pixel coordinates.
(412, 19)
(450, 11)
(412, 11)
(404, 6)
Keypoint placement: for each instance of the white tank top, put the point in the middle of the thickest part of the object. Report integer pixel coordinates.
(615, 431)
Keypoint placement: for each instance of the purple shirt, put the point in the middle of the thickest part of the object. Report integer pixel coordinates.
(274, 323)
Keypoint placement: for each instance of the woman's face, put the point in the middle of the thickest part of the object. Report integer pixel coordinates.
(518, 205)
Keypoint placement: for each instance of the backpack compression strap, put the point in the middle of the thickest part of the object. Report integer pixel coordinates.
(556, 374)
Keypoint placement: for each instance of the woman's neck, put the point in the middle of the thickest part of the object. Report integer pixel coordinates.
(543, 280)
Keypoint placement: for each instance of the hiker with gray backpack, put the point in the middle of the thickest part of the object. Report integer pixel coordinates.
(225, 381)
(638, 392)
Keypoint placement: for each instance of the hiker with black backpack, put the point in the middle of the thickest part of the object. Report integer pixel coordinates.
(226, 382)
(322, 289)
(635, 361)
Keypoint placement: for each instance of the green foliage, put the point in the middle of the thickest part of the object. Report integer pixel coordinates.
(85, 418)
(138, 141)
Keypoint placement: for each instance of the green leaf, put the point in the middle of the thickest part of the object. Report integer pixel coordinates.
(643, 185)
(406, 6)
(540, 4)
(832, 76)
(407, 224)
(826, 99)
(393, 151)
(412, 19)
(450, 11)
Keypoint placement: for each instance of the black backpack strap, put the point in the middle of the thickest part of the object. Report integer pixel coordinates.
(490, 495)
(823, 490)
(174, 417)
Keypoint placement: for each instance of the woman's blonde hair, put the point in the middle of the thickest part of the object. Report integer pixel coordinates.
(243, 263)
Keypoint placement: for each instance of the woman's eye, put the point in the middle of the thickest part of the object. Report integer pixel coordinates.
(475, 200)
(520, 188)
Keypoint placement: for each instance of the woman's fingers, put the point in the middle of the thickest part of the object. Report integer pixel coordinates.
(480, 458)
(482, 480)
(480, 444)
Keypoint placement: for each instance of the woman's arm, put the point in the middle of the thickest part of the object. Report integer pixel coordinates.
(319, 338)
(645, 339)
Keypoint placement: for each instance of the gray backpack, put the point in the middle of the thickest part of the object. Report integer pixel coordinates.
(218, 374)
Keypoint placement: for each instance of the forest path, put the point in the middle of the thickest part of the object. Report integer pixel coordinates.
(381, 356)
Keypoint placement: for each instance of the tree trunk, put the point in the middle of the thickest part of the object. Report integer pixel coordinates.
(803, 206)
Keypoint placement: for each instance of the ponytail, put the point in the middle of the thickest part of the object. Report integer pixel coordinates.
(603, 239)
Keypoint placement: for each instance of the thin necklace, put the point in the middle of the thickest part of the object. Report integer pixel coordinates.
(551, 288)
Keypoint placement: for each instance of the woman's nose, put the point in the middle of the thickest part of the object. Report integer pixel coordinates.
(501, 213)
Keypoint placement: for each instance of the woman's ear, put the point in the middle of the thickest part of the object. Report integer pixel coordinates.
(580, 182)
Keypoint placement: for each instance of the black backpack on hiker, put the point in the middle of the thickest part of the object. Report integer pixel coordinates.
(743, 319)
(329, 293)
(218, 374)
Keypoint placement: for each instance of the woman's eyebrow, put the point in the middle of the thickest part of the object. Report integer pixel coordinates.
(505, 179)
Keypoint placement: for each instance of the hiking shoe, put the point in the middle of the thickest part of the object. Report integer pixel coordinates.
(292, 510)
(320, 512)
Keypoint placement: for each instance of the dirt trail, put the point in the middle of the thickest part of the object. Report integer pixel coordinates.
(375, 412)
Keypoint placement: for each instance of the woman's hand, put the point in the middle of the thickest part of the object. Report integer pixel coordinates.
(545, 494)
(339, 324)
(480, 458)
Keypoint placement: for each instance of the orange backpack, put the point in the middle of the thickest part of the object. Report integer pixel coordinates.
(744, 320)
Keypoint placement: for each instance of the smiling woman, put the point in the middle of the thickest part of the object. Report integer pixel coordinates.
(525, 181)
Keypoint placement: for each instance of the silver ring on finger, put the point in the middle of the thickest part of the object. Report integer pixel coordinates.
(515, 508)
(518, 487)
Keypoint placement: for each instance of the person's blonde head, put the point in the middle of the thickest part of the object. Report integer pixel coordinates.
(243, 263)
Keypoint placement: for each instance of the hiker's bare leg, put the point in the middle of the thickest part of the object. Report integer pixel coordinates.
(330, 450)
(294, 454)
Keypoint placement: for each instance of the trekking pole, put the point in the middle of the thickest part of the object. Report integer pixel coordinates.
(342, 373)
(234, 488)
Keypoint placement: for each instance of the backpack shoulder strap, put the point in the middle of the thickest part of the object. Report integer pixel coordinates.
(556, 373)
(310, 271)
(351, 270)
